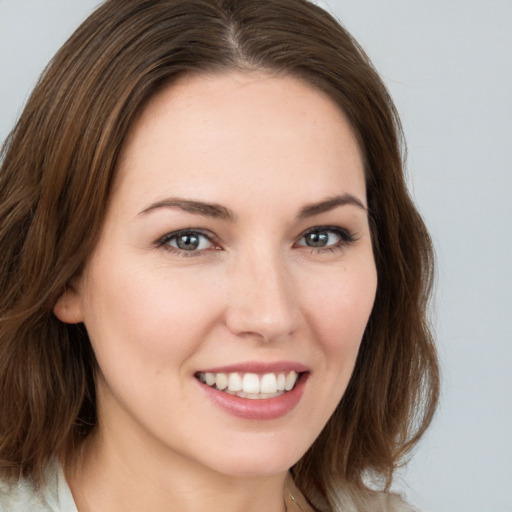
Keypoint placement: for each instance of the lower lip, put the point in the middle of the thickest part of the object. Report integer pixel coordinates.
(259, 409)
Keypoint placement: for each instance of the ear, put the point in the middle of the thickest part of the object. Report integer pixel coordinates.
(68, 308)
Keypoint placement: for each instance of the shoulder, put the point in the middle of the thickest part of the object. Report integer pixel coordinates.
(21, 496)
(386, 502)
(352, 500)
(394, 503)
(24, 496)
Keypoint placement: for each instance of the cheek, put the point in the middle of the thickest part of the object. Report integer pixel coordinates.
(339, 308)
(132, 311)
(339, 313)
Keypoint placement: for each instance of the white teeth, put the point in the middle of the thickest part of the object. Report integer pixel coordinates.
(251, 385)
(281, 381)
(221, 381)
(234, 382)
(269, 383)
(291, 379)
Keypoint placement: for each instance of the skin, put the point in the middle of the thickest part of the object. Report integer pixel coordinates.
(265, 148)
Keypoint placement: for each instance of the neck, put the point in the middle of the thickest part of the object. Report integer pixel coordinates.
(118, 477)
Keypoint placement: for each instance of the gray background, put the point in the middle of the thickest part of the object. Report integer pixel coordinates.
(448, 64)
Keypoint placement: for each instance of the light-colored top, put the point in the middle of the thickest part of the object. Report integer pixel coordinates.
(53, 496)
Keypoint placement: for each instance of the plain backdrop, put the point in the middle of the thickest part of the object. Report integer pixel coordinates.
(448, 65)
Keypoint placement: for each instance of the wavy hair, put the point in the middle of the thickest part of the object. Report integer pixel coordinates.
(57, 167)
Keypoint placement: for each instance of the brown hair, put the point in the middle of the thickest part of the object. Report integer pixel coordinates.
(57, 167)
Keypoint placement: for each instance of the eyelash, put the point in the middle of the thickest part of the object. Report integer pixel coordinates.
(346, 238)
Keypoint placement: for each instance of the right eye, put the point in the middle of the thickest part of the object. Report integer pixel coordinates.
(186, 241)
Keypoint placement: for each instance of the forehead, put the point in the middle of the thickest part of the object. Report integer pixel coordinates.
(258, 132)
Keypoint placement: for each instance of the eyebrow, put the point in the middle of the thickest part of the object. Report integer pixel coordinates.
(216, 211)
(330, 204)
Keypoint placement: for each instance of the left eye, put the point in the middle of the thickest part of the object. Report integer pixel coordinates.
(187, 241)
(324, 238)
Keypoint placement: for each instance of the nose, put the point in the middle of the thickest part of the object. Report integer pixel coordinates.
(263, 302)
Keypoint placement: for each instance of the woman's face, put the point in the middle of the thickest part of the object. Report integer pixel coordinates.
(235, 252)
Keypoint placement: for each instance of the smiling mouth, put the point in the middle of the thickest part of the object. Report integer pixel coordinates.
(253, 386)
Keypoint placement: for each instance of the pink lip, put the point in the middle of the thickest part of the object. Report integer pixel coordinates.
(264, 409)
(259, 367)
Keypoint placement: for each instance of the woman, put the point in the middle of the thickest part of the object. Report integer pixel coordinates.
(214, 280)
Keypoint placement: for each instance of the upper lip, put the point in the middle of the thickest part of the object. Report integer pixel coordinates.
(259, 367)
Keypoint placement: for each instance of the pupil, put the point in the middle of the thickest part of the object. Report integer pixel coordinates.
(318, 239)
(188, 242)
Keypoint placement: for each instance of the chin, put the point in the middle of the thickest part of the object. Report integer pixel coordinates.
(259, 460)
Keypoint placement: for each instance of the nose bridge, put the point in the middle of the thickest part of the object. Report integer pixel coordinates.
(263, 300)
